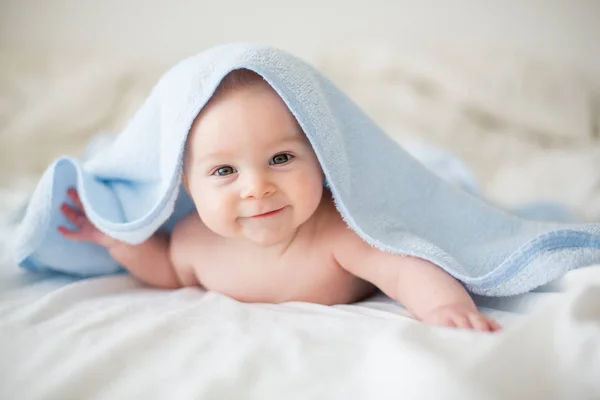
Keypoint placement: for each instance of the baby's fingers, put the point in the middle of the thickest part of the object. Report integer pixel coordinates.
(80, 234)
(83, 230)
(460, 320)
(70, 234)
(479, 322)
(74, 216)
(72, 193)
(494, 326)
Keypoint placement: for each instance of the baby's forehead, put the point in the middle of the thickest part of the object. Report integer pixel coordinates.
(227, 124)
(211, 140)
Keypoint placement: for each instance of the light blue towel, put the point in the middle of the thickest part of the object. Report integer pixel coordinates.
(132, 188)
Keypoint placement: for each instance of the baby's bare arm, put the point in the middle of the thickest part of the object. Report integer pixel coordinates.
(150, 261)
(427, 291)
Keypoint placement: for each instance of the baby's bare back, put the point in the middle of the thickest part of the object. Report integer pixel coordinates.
(305, 271)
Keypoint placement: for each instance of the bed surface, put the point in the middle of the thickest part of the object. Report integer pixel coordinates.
(112, 337)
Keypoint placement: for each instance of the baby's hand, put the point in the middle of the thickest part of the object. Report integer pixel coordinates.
(460, 316)
(86, 231)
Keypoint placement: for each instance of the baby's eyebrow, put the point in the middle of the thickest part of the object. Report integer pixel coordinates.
(220, 154)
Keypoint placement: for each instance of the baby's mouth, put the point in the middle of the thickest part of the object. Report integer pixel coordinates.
(268, 214)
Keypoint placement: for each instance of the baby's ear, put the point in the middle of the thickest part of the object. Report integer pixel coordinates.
(183, 170)
(184, 182)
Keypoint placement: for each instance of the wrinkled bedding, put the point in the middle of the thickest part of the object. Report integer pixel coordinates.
(111, 337)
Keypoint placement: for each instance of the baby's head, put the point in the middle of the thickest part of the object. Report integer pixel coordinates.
(248, 167)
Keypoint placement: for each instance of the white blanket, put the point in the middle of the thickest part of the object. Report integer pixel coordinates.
(112, 338)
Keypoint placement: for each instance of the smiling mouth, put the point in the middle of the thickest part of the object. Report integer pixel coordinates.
(268, 214)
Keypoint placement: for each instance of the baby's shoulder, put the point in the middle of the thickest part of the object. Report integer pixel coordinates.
(334, 227)
(338, 233)
(331, 215)
(187, 239)
(188, 231)
(189, 224)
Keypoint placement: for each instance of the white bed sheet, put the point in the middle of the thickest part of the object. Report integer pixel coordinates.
(113, 338)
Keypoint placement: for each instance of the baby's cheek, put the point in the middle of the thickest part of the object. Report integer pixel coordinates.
(309, 191)
(218, 215)
(206, 208)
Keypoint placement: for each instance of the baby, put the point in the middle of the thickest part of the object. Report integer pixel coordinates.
(266, 229)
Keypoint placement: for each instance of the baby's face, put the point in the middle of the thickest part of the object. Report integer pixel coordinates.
(250, 169)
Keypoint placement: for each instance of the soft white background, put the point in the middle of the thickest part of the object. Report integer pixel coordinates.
(564, 30)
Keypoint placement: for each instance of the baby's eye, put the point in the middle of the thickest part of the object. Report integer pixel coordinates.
(224, 171)
(280, 159)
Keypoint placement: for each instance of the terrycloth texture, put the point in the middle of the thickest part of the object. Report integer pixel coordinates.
(391, 200)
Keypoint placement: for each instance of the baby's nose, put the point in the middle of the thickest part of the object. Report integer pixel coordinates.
(257, 186)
